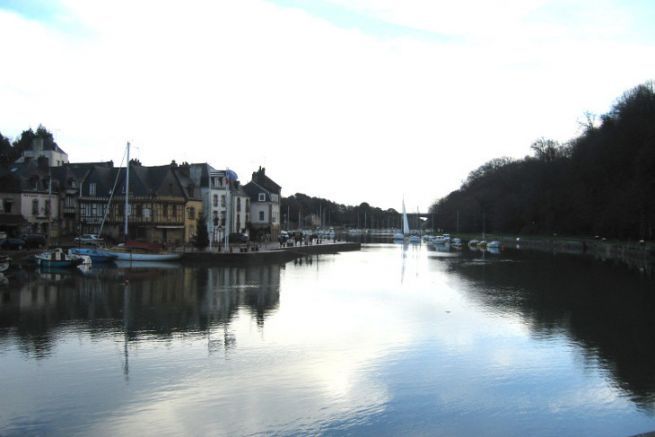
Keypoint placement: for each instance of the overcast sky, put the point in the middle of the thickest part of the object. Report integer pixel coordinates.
(361, 100)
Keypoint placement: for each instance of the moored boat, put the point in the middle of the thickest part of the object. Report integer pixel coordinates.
(57, 258)
(137, 251)
(96, 254)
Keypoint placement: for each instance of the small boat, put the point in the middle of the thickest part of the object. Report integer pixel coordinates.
(493, 244)
(473, 244)
(96, 254)
(414, 239)
(57, 258)
(5, 261)
(456, 243)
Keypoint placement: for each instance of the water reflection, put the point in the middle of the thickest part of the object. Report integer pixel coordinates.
(603, 307)
(140, 301)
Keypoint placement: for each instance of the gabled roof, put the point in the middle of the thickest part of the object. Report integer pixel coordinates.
(259, 177)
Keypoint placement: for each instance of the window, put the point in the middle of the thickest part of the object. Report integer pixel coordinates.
(7, 204)
(215, 202)
(35, 206)
(223, 200)
(92, 189)
(261, 216)
(262, 197)
(47, 207)
(165, 212)
(238, 203)
(146, 213)
(69, 202)
(191, 213)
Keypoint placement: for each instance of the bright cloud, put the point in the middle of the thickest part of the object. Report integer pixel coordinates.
(328, 104)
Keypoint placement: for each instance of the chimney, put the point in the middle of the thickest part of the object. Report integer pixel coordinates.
(37, 144)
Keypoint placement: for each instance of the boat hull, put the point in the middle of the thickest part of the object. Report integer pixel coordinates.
(139, 256)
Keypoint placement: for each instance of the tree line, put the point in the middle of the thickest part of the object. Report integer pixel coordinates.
(600, 183)
(303, 211)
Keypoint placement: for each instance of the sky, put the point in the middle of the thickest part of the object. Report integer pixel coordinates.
(354, 101)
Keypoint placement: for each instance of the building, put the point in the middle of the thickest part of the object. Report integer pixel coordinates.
(221, 192)
(44, 149)
(28, 191)
(265, 196)
(163, 203)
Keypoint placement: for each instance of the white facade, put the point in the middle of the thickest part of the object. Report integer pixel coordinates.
(41, 210)
(56, 158)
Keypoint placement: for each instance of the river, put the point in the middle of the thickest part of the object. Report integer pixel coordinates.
(390, 340)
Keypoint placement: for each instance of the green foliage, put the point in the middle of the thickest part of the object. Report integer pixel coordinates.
(202, 236)
(601, 183)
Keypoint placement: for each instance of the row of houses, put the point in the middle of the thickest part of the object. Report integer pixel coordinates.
(42, 192)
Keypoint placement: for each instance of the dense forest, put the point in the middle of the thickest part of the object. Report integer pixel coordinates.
(600, 183)
(314, 211)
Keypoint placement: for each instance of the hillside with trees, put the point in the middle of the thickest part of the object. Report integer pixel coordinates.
(306, 210)
(600, 183)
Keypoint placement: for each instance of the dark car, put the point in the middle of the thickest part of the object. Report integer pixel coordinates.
(12, 243)
(238, 238)
(34, 240)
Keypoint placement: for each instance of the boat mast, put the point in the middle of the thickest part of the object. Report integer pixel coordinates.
(127, 190)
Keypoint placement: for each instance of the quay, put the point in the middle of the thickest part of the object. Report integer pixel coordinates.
(266, 252)
(259, 253)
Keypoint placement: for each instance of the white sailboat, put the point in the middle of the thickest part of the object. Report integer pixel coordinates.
(136, 251)
(400, 236)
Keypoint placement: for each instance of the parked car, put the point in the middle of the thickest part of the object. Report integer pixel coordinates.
(12, 244)
(88, 239)
(237, 237)
(33, 241)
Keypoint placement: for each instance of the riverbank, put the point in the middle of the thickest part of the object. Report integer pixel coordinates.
(636, 254)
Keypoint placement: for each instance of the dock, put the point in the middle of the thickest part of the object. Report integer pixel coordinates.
(265, 253)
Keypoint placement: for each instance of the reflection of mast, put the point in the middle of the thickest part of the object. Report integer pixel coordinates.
(126, 307)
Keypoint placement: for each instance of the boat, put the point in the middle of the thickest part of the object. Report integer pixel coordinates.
(441, 243)
(473, 244)
(139, 251)
(495, 244)
(132, 250)
(5, 261)
(97, 255)
(400, 236)
(456, 243)
(57, 259)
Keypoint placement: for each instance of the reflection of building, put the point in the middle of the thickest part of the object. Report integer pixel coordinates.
(157, 301)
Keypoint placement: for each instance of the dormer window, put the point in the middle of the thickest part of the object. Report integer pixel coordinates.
(92, 189)
(262, 197)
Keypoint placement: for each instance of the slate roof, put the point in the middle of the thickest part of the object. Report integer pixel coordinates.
(259, 177)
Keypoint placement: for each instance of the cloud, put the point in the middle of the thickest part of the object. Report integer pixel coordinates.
(350, 112)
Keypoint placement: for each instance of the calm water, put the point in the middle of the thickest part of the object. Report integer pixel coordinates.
(384, 341)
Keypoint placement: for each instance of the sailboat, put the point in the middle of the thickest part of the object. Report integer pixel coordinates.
(134, 250)
(400, 236)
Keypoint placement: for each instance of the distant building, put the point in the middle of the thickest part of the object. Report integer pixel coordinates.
(29, 199)
(44, 149)
(221, 193)
(264, 196)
